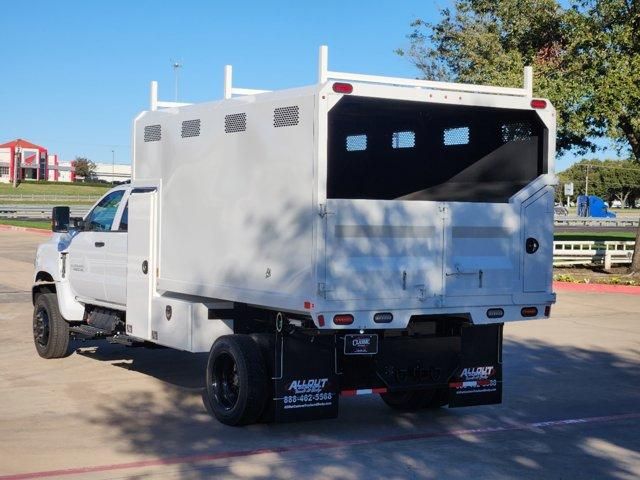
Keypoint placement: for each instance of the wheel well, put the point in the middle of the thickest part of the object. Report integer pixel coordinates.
(44, 277)
(42, 288)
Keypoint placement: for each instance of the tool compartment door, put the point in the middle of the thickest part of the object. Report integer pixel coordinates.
(140, 262)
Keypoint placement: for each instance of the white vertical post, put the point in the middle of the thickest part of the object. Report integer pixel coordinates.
(228, 79)
(323, 64)
(153, 97)
(528, 80)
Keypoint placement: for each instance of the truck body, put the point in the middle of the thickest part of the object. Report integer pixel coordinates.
(365, 234)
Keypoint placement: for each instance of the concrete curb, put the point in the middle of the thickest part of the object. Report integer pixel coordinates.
(596, 288)
(39, 231)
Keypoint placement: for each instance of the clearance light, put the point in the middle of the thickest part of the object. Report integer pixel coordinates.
(495, 313)
(537, 103)
(547, 310)
(321, 320)
(529, 312)
(342, 88)
(343, 319)
(384, 317)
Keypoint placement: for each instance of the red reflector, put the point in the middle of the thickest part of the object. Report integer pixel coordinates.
(343, 319)
(529, 312)
(342, 87)
(321, 320)
(547, 310)
(308, 305)
(537, 103)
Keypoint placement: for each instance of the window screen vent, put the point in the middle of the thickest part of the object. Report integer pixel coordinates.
(406, 139)
(356, 143)
(286, 116)
(236, 122)
(516, 131)
(152, 133)
(191, 128)
(456, 136)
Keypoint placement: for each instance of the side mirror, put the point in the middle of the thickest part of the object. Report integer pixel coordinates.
(60, 219)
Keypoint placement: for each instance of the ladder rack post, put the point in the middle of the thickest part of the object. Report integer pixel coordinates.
(228, 78)
(153, 96)
(323, 64)
(528, 80)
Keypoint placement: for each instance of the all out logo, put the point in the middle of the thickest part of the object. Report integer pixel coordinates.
(477, 373)
(311, 385)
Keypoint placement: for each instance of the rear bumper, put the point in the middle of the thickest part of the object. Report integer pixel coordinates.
(537, 307)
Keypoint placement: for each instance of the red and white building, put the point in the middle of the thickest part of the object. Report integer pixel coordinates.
(28, 161)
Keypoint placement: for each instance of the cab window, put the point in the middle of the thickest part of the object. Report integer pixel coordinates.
(100, 219)
(124, 220)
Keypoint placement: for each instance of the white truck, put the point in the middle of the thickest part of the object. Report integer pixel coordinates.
(361, 235)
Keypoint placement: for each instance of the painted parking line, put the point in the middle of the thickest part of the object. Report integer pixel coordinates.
(194, 459)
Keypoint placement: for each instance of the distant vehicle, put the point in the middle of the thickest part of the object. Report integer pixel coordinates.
(560, 210)
(592, 206)
(616, 204)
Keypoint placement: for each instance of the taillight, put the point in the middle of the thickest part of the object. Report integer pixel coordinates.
(321, 320)
(529, 312)
(495, 313)
(538, 103)
(342, 87)
(383, 317)
(343, 319)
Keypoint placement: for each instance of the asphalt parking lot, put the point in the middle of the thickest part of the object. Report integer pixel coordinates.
(571, 408)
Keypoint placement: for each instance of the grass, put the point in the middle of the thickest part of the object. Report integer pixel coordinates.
(53, 188)
(43, 224)
(577, 236)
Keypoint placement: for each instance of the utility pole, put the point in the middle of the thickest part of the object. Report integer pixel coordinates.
(16, 166)
(176, 66)
(586, 182)
(113, 167)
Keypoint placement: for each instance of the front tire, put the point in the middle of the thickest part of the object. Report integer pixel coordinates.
(50, 329)
(236, 380)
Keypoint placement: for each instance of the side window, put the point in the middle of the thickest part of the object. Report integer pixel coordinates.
(101, 217)
(124, 220)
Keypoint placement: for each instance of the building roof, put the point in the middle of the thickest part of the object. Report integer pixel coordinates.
(19, 142)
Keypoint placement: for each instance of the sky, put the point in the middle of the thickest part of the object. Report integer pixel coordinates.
(74, 74)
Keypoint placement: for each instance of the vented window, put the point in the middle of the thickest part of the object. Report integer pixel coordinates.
(405, 139)
(516, 131)
(286, 116)
(152, 133)
(456, 136)
(191, 128)
(356, 143)
(236, 122)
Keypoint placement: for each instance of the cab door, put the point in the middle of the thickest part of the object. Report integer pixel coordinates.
(87, 250)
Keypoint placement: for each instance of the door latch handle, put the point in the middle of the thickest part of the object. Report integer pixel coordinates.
(99, 244)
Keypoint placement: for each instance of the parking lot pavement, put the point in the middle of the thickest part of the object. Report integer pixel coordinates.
(571, 408)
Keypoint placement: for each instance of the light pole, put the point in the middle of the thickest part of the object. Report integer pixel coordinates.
(16, 166)
(113, 167)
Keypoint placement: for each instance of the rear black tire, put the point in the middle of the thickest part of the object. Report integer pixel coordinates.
(50, 329)
(411, 400)
(237, 386)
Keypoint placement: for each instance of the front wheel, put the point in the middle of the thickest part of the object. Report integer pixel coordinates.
(50, 329)
(236, 380)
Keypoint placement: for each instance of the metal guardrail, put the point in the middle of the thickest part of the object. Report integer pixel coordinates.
(38, 211)
(43, 197)
(576, 221)
(596, 252)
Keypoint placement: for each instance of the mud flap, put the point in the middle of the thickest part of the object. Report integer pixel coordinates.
(305, 384)
(478, 380)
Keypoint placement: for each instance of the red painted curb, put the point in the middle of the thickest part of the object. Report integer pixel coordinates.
(39, 231)
(192, 459)
(596, 288)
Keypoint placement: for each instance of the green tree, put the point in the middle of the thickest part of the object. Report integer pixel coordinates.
(586, 60)
(84, 168)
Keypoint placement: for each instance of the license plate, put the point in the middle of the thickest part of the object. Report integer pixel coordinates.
(361, 344)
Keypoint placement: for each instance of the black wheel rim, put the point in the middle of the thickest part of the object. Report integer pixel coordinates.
(41, 327)
(225, 384)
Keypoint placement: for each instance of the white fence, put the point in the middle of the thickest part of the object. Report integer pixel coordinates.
(596, 252)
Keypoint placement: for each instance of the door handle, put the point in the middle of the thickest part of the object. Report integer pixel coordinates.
(99, 244)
